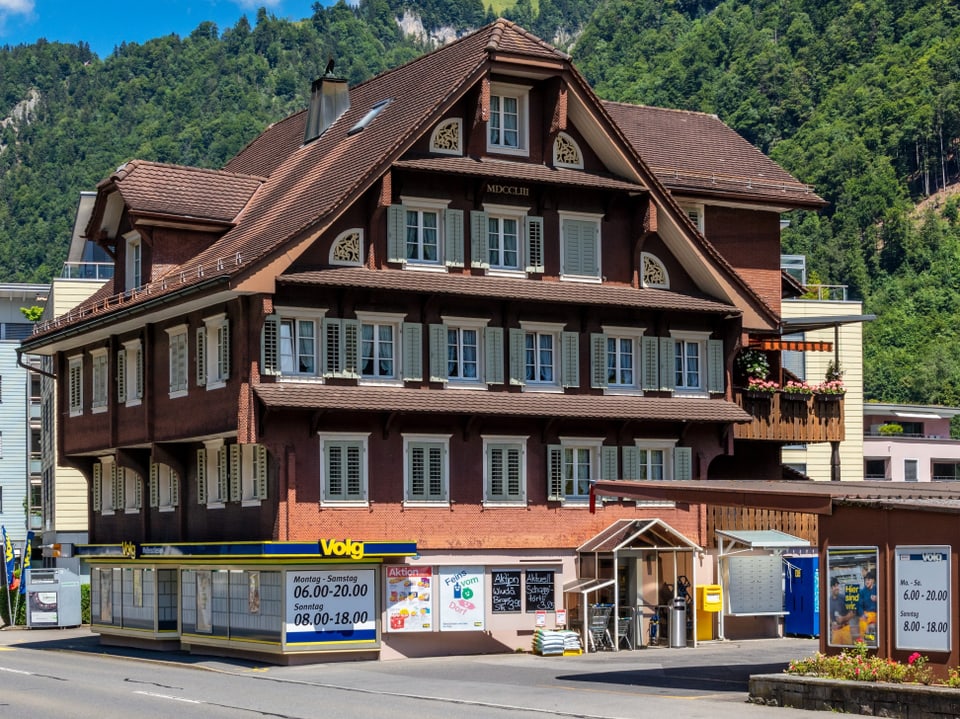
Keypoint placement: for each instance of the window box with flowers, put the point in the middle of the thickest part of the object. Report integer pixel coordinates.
(760, 388)
(830, 391)
(796, 391)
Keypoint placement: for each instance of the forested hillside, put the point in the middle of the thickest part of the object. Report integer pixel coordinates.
(860, 99)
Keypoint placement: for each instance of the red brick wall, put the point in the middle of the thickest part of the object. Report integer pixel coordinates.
(750, 241)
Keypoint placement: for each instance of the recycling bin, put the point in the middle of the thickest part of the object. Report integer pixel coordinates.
(53, 598)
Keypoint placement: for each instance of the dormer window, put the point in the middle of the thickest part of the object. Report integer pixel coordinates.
(134, 263)
(507, 128)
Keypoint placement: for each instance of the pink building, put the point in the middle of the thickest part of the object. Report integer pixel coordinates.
(909, 443)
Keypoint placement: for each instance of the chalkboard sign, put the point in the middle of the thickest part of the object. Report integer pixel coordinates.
(540, 584)
(505, 591)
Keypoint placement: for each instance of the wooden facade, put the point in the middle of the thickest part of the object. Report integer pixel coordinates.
(779, 417)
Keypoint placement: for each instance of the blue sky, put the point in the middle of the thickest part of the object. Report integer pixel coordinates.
(106, 23)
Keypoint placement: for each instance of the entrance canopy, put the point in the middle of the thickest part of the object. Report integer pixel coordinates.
(637, 534)
(757, 539)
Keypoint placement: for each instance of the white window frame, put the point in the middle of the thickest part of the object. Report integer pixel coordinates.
(131, 495)
(458, 324)
(589, 217)
(362, 499)
(134, 373)
(107, 487)
(216, 371)
(212, 479)
(509, 443)
(421, 205)
(134, 261)
(179, 369)
(689, 338)
(377, 319)
(165, 475)
(537, 329)
(666, 446)
(75, 393)
(634, 335)
(915, 463)
(296, 315)
(100, 370)
(695, 213)
(520, 93)
(250, 464)
(518, 215)
(594, 446)
(423, 441)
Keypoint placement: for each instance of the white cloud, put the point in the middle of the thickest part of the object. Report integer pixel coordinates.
(13, 7)
(244, 4)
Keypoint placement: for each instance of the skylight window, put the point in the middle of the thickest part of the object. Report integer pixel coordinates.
(368, 118)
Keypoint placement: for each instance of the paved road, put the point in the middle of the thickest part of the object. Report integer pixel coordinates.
(709, 682)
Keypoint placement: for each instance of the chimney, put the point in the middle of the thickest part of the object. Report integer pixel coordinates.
(329, 99)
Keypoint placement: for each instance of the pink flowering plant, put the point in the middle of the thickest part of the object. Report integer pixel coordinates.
(856, 664)
(794, 387)
(755, 384)
(831, 387)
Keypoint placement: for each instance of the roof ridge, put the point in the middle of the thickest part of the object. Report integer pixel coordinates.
(664, 109)
(127, 170)
(501, 24)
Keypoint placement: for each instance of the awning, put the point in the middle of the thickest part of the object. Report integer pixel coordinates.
(791, 345)
(586, 585)
(763, 538)
(653, 534)
(917, 415)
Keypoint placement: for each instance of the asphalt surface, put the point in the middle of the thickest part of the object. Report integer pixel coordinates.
(715, 674)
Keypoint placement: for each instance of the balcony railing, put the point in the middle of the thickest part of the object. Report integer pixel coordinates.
(909, 435)
(779, 418)
(87, 270)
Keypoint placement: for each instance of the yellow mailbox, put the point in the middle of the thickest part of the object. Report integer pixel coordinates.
(709, 602)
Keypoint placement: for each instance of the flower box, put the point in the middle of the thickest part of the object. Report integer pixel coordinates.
(756, 394)
(794, 396)
(829, 397)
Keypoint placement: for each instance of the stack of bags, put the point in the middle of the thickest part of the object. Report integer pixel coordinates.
(555, 643)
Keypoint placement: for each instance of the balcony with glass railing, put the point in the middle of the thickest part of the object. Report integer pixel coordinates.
(87, 271)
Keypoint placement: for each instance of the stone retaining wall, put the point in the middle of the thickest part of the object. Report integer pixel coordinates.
(909, 701)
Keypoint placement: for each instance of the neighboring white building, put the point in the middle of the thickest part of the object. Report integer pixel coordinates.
(922, 452)
(64, 489)
(840, 322)
(19, 414)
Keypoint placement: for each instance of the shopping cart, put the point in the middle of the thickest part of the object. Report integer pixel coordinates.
(599, 627)
(625, 619)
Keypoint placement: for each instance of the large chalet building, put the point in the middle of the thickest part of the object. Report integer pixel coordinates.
(350, 392)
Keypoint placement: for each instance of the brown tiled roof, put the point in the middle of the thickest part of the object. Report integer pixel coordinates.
(523, 171)
(160, 189)
(507, 288)
(366, 398)
(697, 152)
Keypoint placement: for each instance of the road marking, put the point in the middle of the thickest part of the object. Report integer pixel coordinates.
(15, 671)
(172, 698)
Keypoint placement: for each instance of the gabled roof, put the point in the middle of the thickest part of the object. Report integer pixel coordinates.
(300, 190)
(697, 153)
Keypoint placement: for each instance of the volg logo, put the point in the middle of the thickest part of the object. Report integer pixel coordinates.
(128, 550)
(345, 548)
(932, 557)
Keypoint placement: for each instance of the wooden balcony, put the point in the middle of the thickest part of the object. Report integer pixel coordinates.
(800, 525)
(778, 417)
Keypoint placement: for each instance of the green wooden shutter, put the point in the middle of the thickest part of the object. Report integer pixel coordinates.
(493, 350)
(332, 347)
(97, 487)
(479, 247)
(517, 373)
(351, 348)
(121, 376)
(589, 249)
(202, 476)
(715, 368)
(154, 484)
(608, 463)
(572, 248)
(667, 361)
(260, 458)
(174, 488)
(223, 342)
(682, 463)
(631, 463)
(650, 351)
(269, 345)
(116, 486)
(534, 249)
(139, 368)
(570, 369)
(412, 338)
(138, 492)
(554, 473)
(236, 467)
(453, 238)
(202, 356)
(598, 360)
(438, 353)
(396, 233)
(222, 474)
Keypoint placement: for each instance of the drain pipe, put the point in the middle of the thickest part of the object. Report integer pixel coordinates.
(33, 369)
